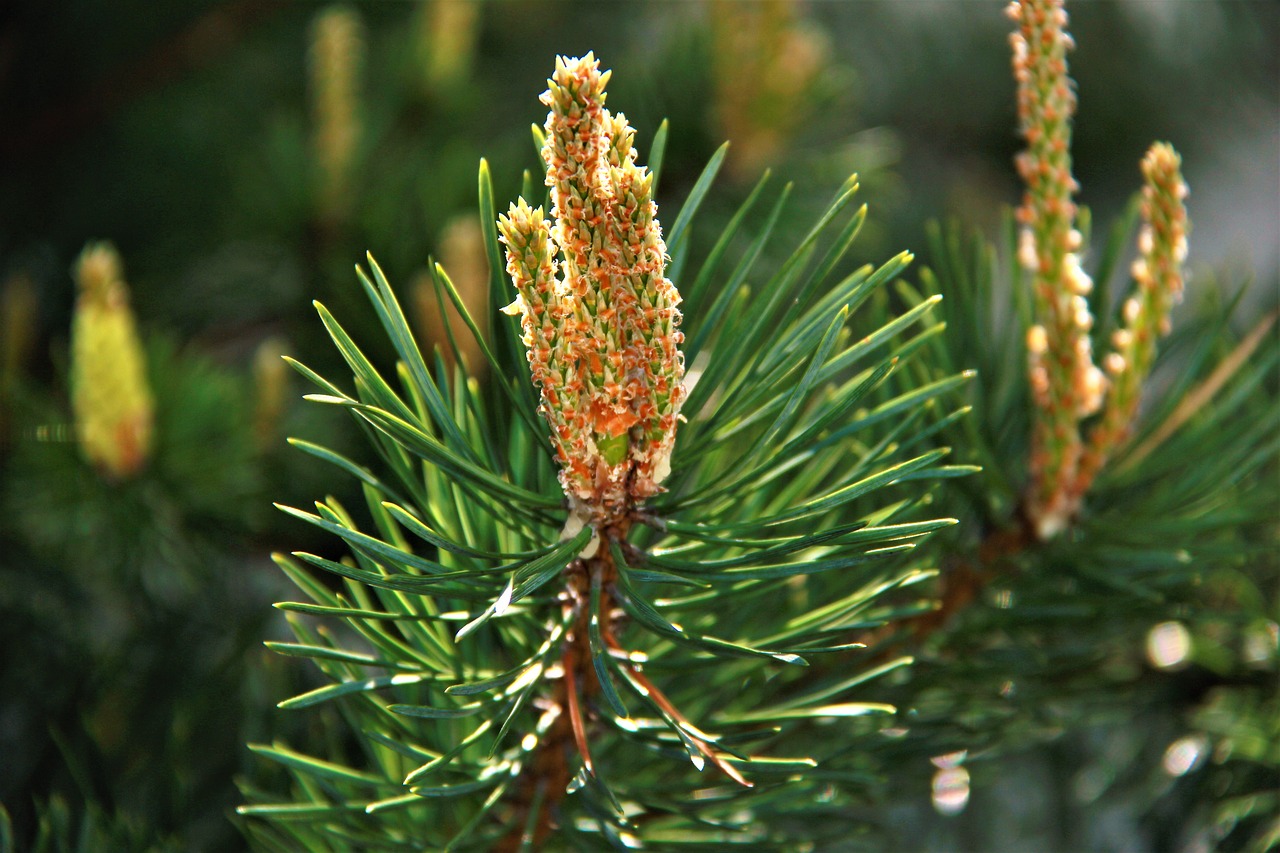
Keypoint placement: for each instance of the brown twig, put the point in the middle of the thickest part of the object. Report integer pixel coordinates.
(544, 781)
(575, 713)
(552, 767)
(959, 586)
(661, 700)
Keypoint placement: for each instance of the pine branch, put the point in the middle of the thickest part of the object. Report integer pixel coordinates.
(560, 635)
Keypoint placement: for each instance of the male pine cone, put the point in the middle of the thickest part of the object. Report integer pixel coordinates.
(109, 393)
(601, 325)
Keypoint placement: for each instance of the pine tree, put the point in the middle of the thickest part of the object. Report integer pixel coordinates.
(712, 538)
(673, 584)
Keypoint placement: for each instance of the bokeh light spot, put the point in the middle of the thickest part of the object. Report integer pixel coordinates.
(1168, 645)
(951, 790)
(1185, 754)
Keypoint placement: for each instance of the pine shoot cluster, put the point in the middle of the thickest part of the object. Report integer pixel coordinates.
(601, 325)
(1066, 385)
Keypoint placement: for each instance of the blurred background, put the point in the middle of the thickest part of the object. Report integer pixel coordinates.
(241, 155)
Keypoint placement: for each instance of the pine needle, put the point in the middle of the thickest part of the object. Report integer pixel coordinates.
(1200, 396)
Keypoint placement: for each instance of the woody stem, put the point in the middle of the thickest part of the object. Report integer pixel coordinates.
(552, 766)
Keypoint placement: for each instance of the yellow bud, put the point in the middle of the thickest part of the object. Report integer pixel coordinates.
(110, 396)
(1037, 340)
(271, 386)
(462, 255)
(448, 30)
(337, 53)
